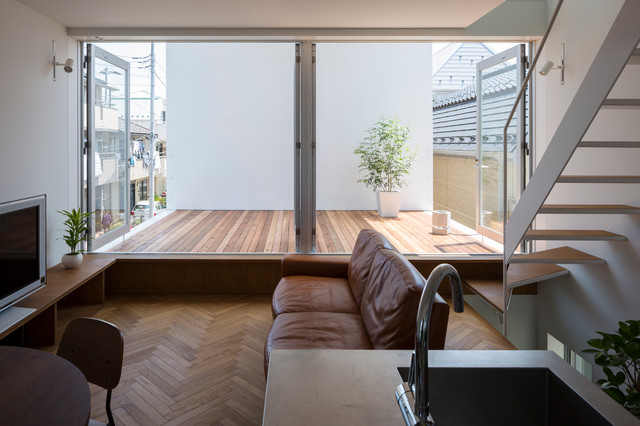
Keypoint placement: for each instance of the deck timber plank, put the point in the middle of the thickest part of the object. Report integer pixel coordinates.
(260, 231)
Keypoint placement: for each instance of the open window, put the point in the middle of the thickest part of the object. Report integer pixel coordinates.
(106, 149)
(498, 81)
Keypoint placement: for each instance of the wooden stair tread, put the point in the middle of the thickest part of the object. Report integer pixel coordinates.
(572, 234)
(621, 102)
(589, 209)
(488, 290)
(609, 144)
(597, 179)
(563, 255)
(520, 274)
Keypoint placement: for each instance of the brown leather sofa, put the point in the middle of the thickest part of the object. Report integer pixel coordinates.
(367, 301)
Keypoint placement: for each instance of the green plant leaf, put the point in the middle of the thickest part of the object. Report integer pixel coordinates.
(619, 378)
(596, 343)
(625, 330)
(601, 359)
(633, 350)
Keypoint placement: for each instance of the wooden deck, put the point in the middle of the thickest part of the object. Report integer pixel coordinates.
(272, 231)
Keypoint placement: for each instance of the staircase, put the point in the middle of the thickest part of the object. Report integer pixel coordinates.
(521, 269)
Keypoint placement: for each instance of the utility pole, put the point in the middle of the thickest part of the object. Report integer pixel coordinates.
(152, 148)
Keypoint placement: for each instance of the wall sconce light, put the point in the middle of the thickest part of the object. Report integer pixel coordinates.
(548, 66)
(67, 65)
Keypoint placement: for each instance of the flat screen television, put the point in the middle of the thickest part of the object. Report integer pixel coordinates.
(23, 263)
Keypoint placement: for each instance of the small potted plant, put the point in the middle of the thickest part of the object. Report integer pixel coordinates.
(619, 356)
(75, 233)
(386, 158)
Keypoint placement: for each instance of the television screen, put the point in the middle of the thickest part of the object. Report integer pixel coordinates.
(21, 249)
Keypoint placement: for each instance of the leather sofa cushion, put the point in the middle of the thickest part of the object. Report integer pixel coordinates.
(364, 250)
(303, 293)
(316, 330)
(390, 302)
(309, 264)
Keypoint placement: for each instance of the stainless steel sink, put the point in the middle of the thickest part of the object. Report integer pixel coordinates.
(505, 396)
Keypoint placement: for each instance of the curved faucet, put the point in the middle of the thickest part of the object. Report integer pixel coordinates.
(417, 387)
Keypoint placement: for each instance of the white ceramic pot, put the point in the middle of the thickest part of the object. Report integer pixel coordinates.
(72, 261)
(388, 203)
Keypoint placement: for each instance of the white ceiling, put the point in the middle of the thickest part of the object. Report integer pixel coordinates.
(264, 13)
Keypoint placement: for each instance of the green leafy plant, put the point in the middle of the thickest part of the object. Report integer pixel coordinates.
(385, 156)
(619, 356)
(75, 229)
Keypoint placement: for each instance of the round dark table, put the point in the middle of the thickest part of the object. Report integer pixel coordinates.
(37, 387)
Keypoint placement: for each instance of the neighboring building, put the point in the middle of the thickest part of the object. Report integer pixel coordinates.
(454, 67)
(139, 161)
(455, 128)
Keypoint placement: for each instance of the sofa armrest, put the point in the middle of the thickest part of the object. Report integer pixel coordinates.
(319, 266)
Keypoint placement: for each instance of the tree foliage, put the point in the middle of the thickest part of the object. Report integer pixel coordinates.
(385, 156)
(619, 356)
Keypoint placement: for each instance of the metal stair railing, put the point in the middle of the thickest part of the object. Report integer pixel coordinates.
(618, 46)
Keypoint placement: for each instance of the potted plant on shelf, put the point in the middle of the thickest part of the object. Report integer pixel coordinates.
(75, 233)
(386, 158)
(619, 356)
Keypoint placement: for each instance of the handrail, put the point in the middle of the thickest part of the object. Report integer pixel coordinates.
(507, 256)
(532, 67)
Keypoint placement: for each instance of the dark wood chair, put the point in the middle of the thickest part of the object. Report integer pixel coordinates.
(96, 347)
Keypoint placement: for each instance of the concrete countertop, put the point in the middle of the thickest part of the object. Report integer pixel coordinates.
(351, 387)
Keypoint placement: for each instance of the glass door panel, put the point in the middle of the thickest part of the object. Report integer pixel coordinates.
(108, 154)
(496, 95)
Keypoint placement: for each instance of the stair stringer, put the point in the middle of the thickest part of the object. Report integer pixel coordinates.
(618, 46)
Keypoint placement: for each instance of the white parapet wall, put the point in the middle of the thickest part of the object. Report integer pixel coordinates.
(230, 122)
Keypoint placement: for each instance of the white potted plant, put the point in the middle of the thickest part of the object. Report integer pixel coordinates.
(386, 158)
(75, 233)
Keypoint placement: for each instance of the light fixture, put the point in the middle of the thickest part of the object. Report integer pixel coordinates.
(549, 65)
(67, 65)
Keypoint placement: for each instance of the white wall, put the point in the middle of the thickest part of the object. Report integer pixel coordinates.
(37, 154)
(356, 85)
(592, 297)
(230, 122)
(230, 126)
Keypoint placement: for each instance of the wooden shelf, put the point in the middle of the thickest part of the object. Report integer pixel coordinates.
(490, 290)
(85, 285)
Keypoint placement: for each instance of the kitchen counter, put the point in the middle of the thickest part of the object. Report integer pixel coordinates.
(341, 387)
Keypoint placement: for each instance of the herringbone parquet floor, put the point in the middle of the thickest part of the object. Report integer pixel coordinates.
(198, 359)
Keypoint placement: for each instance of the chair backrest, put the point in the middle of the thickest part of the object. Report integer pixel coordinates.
(96, 347)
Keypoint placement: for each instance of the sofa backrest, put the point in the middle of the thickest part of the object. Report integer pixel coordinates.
(390, 304)
(364, 250)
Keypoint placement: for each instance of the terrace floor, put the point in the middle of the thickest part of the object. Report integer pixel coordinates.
(272, 231)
